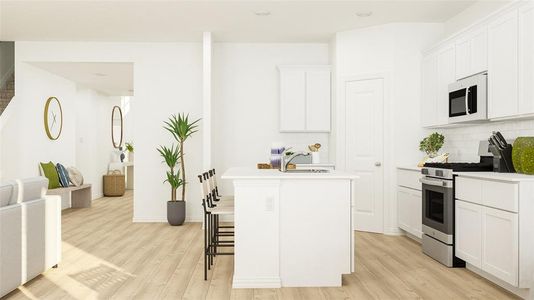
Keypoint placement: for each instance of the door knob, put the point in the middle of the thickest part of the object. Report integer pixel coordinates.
(378, 164)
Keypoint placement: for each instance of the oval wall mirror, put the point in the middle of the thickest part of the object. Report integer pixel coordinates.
(116, 127)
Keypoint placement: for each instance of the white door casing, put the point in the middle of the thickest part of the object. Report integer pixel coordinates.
(364, 115)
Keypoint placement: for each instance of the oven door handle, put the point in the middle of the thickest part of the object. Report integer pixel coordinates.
(436, 182)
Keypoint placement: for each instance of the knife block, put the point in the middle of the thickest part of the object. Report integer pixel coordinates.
(502, 159)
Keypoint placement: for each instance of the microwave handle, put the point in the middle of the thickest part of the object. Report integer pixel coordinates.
(467, 100)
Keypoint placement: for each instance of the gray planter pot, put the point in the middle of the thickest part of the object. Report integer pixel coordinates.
(176, 212)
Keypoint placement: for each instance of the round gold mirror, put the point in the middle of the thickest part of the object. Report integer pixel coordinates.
(53, 118)
(116, 127)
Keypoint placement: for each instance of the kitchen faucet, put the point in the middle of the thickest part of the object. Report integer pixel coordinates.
(285, 161)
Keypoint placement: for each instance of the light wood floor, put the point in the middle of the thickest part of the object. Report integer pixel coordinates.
(106, 256)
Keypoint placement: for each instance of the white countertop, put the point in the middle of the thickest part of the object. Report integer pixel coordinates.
(410, 168)
(511, 177)
(253, 173)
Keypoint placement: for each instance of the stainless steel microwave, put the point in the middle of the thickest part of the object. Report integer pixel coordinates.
(468, 99)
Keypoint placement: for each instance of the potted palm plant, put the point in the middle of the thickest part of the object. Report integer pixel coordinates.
(175, 209)
(181, 129)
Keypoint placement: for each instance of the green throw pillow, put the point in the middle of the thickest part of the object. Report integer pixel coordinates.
(50, 172)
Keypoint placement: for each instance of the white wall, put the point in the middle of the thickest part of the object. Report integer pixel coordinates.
(93, 137)
(24, 142)
(85, 140)
(470, 15)
(393, 50)
(167, 79)
(245, 101)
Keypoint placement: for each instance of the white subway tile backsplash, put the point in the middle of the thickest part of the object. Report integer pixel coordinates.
(462, 142)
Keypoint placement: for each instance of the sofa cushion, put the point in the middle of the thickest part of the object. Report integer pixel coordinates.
(8, 193)
(63, 175)
(75, 176)
(50, 172)
(32, 188)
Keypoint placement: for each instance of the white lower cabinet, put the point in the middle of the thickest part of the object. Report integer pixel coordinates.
(410, 210)
(487, 238)
(500, 244)
(468, 233)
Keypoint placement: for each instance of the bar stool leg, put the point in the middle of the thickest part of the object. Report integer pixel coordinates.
(216, 233)
(205, 247)
(209, 240)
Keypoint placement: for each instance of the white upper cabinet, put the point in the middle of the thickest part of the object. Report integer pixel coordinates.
(318, 100)
(526, 59)
(446, 76)
(501, 45)
(429, 74)
(305, 98)
(292, 100)
(503, 66)
(472, 53)
(438, 71)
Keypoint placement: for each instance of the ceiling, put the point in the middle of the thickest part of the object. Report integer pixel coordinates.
(112, 79)
(230, 21)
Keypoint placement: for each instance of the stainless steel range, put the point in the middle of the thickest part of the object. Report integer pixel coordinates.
(438, 205)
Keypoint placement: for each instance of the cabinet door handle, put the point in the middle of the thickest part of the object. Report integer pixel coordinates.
(378, 164)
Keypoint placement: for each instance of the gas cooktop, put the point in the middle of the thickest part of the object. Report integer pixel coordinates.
(462, 167)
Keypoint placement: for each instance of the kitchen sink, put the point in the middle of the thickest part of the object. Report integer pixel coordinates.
(307, 171)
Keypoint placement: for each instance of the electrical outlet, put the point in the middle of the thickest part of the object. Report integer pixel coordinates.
(269, 204)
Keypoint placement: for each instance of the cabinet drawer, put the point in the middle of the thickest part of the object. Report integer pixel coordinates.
(500, 195)
(409, 179)
(468, 189)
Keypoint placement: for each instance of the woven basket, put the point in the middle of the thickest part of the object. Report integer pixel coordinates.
(114, 184)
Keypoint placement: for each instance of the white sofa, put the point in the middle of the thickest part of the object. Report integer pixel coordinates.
(30, 231)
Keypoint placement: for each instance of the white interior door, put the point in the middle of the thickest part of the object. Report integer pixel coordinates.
(365, 119)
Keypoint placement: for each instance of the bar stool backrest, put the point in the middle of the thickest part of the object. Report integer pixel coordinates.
(210, 197)
(212, 186)
(214, 182)
(204, 192)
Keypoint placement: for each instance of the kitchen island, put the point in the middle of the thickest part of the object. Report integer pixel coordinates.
(291, 229)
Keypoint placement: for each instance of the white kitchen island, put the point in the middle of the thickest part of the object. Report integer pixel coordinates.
(291, 229)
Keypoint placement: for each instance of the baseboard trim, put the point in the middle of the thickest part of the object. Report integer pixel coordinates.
(261, 282)
(523, 293)
(393, 231)
(98, 196)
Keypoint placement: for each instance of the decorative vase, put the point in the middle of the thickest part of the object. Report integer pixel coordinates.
(433, 154)
(523, 155)
(316, 158)
(176, 212)
(130, 156)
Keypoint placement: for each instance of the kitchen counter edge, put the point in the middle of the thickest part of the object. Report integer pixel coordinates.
(251, 173)
(509, 177)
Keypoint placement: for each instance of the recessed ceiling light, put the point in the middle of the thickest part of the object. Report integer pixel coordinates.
(363, 14)
(100, 74)
(262, 13)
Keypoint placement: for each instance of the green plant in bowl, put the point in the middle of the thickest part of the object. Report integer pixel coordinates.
(431, 144)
